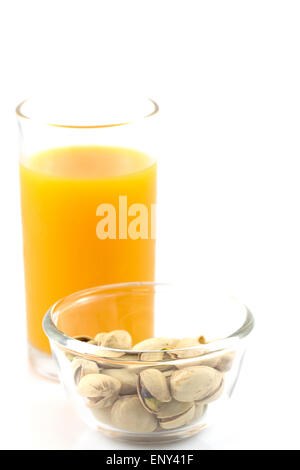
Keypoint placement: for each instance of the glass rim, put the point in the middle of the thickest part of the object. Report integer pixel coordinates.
(72, 345)
(23, 115)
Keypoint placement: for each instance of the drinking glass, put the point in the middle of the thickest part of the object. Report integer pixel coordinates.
(88, 198)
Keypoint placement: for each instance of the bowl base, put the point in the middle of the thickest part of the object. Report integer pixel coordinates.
(163, 437)
(42, 363)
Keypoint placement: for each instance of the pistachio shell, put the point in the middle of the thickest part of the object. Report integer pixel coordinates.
(82, 367)
(167, 373)
(154, 344)
(153, 389)
(221, 362)
(137, 369)
(192, 349)
(225, 362)
(214, 395)
(128, 357)
(106, 353)
(195, 383)
(152, 356)
(127, 378)
(117, 339)
(128, 414)
(200, 409)
(99, 338)
(102, 414)
(155, 382)
(157, 348)
(209, 361)
(100, 390)
(204, 360)
(99, 403)
(174, 408)
(163, 367)
(180, 420)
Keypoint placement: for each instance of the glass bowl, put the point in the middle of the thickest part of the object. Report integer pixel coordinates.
(149, 395)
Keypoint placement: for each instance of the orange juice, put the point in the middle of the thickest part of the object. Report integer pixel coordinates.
(61, 190)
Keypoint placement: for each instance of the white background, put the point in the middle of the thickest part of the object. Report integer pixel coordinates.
(227, 77)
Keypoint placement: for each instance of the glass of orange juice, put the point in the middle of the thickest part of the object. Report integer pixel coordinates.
(88, 199)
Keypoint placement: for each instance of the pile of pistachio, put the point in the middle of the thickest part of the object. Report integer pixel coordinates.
(140, 398)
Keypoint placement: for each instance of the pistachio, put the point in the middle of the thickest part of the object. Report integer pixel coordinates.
(157, 347)
(99, 390)
(155, 344)
(130, 361)
(127, 378)
(195, 383)
(222, 362)
(106, 353)
(128, 357)
(127, 413)
(204, 360)
(130, 395)
(225, 362)
(117, 339)
(94, 403)
(168, 372)
(173, 408)
(137, 368)
(175, 414)
(102, 414)
(153, 389)
(187, 343)
(214, 395)
(152, 356)
(200, 409)
(208, 361)
(82, 367)
(99, 338)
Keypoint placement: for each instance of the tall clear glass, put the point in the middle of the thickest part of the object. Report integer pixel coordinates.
(88, 196)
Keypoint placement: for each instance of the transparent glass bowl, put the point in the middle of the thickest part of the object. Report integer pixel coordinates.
(125, 398)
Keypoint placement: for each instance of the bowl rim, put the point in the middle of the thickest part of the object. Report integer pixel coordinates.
(73, 345)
